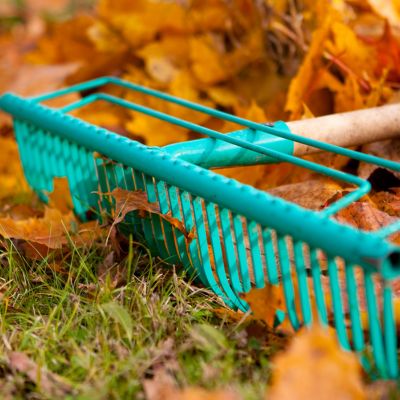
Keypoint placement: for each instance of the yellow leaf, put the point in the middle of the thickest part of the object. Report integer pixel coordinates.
(315, 367)
(173, 47)
(65, 42)
(11, 173)
(163, 58)
(139, 24)
(355, 54)
(106, 39)
(156, 132)
(265, 303)
(208, 15)
(206, 61)
(223, 96)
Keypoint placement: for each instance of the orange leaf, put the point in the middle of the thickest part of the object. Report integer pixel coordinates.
(364, 216)
(51, 230)
(60, 197)
(387, 202)
(315, 367)
(265, 303)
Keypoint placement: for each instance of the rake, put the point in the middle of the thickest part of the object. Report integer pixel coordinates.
(241, 237)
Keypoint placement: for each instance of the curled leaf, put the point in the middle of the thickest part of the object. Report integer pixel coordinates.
(127, 201)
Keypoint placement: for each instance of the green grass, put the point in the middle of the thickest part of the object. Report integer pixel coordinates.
(104, 323)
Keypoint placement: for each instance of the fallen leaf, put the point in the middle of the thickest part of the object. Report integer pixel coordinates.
(265, 303)
(36, 79)
(60, 198)
(388, 202)
(163, 387)
(313, 194)
(51, 230)
(47, 382)
(158, 132)
(315, 367)
(364, 216)
(269, 304)
(127, 201)
(388, 54)
(387, 149)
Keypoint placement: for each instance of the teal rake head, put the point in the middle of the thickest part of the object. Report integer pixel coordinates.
(241, 237)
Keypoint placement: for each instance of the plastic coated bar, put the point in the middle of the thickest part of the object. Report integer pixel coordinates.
(364, 186)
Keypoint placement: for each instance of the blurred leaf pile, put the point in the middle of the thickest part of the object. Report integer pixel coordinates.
(238, 55)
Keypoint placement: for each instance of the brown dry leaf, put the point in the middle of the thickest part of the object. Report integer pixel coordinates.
(60, 198)
(20, 211)
(48, 382)
(365, 216)
(127, 201)
(50, 230)
(388, 149)
(315, 367)
(36, 79)
(313, 194)
(388, 202)
(163, 387)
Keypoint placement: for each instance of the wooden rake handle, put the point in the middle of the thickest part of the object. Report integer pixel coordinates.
(343, 130)
(350, 128)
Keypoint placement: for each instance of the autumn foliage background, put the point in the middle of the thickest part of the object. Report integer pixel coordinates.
(262, 60)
